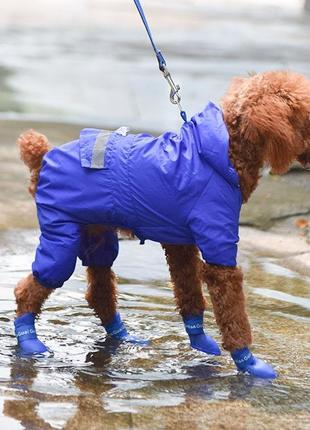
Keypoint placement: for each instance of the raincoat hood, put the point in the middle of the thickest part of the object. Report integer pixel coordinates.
(212, 139)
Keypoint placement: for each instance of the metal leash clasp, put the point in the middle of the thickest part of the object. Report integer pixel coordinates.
(175, 97)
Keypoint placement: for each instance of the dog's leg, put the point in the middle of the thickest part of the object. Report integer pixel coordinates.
(101, 293)
(101, 296)
(185, 270)
(226, 292)
(99, 249)
(30, 296)
(54, 263)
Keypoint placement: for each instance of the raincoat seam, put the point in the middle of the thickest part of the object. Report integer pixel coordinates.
(139, 227)
(198, 199)
(130, 180)
(108, 159)
(128, 152)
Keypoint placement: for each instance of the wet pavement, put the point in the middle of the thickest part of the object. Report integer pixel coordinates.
(91, 383)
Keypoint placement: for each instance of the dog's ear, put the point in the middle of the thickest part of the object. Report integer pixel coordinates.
(274, 110)
(268, 122)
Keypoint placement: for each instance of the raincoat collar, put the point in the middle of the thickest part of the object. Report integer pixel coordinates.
(213, 141)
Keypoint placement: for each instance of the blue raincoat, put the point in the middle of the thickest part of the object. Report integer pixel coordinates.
(175, 189)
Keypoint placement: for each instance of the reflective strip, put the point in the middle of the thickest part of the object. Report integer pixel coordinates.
(97, 160)
(100, 146)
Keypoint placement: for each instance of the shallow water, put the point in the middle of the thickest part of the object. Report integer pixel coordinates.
(91, 383)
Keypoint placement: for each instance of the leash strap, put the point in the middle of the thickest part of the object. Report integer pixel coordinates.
(160, 58)
(175, 97)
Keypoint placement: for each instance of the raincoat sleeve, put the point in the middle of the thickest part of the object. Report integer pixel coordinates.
(214, 222)
(56, 254)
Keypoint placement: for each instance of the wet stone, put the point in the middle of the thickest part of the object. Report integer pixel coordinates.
(278, 198)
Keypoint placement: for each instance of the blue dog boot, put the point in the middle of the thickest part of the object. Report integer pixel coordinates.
(26, 335)
(117, 330)
(198, 338)
(247, 363)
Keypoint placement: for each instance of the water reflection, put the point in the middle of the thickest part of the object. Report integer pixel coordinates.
(99, 396)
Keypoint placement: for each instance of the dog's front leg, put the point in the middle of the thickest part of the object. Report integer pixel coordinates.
(185, 270)
(227, 296)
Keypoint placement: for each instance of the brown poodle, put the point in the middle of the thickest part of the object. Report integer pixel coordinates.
(267, 117)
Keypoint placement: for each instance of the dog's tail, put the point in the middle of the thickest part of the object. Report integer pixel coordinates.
(32, 147)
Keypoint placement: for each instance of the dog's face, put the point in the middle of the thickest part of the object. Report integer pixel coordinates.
(272, 111)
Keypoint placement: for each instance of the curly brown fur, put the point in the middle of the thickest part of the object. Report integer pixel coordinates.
(185, 271)
(226, 293)
(268, 119)
(32, 147)
(101, 293)
(30, 295)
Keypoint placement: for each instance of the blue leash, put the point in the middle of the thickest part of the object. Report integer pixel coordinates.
(175, 97)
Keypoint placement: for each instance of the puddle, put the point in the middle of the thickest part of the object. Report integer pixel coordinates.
(92, 381)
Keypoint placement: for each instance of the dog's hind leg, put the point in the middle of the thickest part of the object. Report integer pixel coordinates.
(99, 249)
(30, 296)
(101, 293)
(185, 268)
(54, 263)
